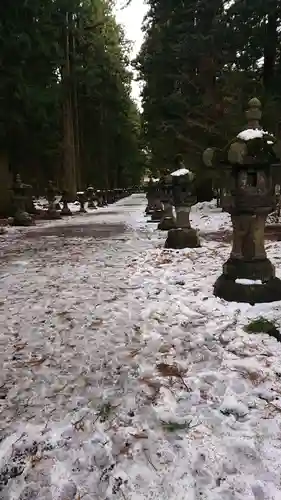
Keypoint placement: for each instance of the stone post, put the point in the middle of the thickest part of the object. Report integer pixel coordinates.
(91, 198)
(52, 212)
(183, 236)
(82, 198)
(157, 212)
(167, 221)
(21, 217)
(183, 213)
(64, 200)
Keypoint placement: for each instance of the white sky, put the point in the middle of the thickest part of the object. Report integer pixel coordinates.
(131, 18)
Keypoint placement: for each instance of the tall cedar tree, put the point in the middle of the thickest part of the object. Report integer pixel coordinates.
(34, 88)
(200, 62)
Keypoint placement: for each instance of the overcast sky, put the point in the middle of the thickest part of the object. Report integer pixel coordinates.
(131, 18)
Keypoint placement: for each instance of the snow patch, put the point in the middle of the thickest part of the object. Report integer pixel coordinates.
(181, 171)
(250, 133)
(243, 281)
(86, 323)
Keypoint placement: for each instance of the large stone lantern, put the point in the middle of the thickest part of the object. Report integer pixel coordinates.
(250, 168)
(184, 196)
(167, 221)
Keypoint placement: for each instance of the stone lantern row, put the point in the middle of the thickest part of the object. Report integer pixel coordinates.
(24, 209)
(249, 169)
(175, 192)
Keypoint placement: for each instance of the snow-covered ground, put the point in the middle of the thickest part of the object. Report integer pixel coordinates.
(122, 377)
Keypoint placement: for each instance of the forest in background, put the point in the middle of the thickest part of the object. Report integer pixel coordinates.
(66, 112)
(201, 61)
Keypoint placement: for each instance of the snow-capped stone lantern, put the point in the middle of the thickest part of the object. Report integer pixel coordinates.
(250, 168)
(167, 221)
(184, 196)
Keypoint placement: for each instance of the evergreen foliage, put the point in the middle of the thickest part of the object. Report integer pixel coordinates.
(201, 61)
(66, 111)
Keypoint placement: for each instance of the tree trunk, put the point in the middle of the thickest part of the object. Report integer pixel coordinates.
(69, 164)
(76, 121)
(5, 186)
(270, 47)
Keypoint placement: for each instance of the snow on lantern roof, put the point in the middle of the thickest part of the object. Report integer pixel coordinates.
(252, 133)
(181, 171)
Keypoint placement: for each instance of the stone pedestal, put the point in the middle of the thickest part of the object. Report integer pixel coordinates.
(248, 261)
(21, 217)
(91, 198)
(168, 221)
(54, 208)
(227, 289)
(52, 212)
(65, 208)
(157, 213)
(150, 205)
(184, 236)
(82, 198)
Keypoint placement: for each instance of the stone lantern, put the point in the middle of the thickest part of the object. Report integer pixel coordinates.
(149, 196)
(250, 168)
(184, 196)
(153, 195)
(157, 212)
(91, 198)
(20, 196)
(65, 200)
(82, 198)
(51, 193)
(168, 221)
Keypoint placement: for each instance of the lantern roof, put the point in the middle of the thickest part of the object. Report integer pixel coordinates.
(252, 146)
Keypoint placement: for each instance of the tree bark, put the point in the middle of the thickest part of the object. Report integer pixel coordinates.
(69, 163)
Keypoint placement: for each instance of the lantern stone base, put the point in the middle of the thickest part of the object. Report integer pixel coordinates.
(182, 238)
(227, 289)
(156, 215)
(52, 214)
(92, 206)
(149, 210)
(167, 223)
(66, 211)
(256, 269)
(22, 218)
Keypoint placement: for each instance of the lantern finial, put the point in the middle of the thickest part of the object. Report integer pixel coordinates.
(254, 113)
